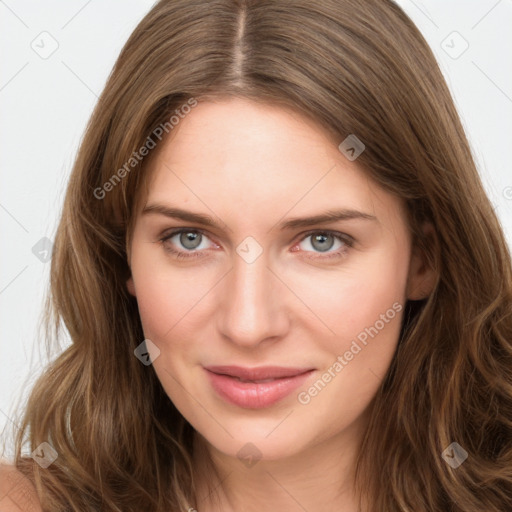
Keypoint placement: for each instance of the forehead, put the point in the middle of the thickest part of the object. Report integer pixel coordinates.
(241, 126)
(251, 158)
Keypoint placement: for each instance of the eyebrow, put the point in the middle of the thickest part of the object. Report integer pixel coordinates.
(328, 216)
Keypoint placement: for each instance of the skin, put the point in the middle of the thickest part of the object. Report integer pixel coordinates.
(251, 166)
(17, 493)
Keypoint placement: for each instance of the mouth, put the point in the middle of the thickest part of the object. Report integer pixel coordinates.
(255, 388)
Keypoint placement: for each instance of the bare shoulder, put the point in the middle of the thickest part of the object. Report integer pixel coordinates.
(17, 494)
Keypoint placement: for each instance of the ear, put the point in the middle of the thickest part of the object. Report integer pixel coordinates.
(130, 286)
(129, 282)
(422, 277)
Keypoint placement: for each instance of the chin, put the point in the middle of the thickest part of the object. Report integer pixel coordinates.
(259, 439)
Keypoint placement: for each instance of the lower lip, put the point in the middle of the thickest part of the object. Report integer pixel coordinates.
(255, 395)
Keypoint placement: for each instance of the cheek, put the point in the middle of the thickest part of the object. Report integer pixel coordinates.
(155, 300)
(354, 298)
(366, 320)
(168, 298)
(160, 306)
(369, 303)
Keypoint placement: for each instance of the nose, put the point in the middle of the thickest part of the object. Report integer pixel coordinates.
(252, 308)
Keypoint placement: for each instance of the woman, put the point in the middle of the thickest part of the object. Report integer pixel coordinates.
(285, 286)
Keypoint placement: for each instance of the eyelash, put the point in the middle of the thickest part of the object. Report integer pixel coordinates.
(346, 239)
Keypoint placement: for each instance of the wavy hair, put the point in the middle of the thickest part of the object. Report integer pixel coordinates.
(355, 68)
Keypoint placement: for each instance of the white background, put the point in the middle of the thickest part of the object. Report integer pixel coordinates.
(45, 104)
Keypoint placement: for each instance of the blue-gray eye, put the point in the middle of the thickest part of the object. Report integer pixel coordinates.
(190, 239)
(322, 242)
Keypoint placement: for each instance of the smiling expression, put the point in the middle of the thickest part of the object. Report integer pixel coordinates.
(253, 280)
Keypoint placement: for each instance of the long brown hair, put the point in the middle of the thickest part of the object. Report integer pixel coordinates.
(354, 67)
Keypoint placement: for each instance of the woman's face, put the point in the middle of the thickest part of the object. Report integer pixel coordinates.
(271, 331)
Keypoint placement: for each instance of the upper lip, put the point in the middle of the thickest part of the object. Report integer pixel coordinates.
(259, 373)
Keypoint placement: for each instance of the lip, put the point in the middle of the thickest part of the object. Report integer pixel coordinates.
(255, 388)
